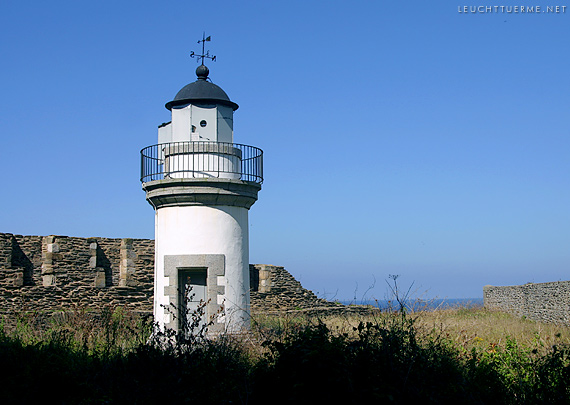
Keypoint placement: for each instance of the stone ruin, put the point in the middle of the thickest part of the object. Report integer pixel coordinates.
(57, 273)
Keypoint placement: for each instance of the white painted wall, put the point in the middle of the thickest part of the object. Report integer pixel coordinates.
(206, 230)
(225, 124)
(218, 118)
(181, 127)
(200, 165)
(165, 133)
(208, 114)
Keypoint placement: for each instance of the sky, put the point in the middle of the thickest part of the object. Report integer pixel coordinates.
(410, 138)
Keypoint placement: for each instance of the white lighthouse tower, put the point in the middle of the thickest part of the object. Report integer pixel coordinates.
(201, 186)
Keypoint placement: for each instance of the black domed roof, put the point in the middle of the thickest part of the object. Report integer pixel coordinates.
(201, 91)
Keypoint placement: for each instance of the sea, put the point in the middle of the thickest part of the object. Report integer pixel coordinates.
(422, 304)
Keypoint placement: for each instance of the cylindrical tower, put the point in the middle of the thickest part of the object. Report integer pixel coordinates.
(201, 186)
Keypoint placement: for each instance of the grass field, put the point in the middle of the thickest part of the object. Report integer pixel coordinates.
(467, 355)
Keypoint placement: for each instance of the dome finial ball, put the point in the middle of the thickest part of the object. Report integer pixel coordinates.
(202, 72)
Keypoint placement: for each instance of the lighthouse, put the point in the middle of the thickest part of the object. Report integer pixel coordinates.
(201, 185)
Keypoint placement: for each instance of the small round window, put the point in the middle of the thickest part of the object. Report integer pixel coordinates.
(203, 123)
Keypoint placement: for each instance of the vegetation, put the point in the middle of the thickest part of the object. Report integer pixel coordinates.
(466, 355)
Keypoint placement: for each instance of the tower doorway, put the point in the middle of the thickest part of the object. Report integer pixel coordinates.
(193, 299)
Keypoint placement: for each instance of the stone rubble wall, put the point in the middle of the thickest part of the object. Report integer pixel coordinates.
(274, 289)
(53, 273)
(59, 273)
(544, 302)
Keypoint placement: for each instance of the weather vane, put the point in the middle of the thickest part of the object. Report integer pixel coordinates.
(204, 55)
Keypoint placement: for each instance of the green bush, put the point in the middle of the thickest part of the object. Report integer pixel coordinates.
(389, 359)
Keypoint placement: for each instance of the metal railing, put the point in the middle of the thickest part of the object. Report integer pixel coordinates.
(201, 160)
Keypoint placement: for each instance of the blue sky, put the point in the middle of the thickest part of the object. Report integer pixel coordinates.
(399, 137)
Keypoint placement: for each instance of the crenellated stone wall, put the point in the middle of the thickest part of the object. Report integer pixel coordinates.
(545, 302)
(51, 273)
(54, 273)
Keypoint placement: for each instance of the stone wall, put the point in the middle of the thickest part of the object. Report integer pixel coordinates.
(545, 302)
(53, 273)
(274, 289)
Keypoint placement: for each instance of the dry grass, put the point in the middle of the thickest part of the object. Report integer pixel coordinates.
(465, 327)
(478, 327)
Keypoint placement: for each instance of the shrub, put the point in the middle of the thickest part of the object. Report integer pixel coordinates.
(388, 358)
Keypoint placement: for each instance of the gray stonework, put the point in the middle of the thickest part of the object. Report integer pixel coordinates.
(54, 273)
(545, 302)
(274, 289)
(215, 268)
(201, 191)
(127, 267)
